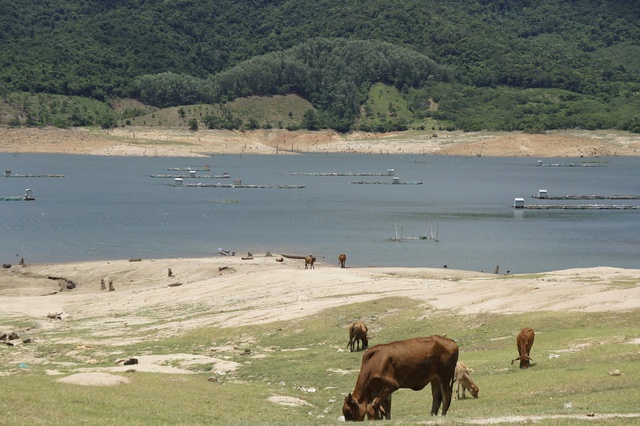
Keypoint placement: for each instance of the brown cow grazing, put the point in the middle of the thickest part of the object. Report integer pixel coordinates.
(342, 258)
(411, 364)
(309, 261)
(358, 332)
(463, 377)
(524, 342)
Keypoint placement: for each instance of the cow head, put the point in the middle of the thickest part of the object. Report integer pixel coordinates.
(473, 390)
(352, 410)
(524, 360)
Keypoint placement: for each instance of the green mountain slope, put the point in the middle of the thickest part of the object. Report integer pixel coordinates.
(103, 50)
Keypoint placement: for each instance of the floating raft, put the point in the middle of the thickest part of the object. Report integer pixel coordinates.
(28, 196)
(231, 185)
(204, 168)
(585, 164)
(21, 198)
(587, 197)
(15, 175)
(395, 182)
(578, 207)
(388, 173)
(193, 176)
(334, 174)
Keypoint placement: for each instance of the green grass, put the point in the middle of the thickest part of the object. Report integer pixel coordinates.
(573, 354)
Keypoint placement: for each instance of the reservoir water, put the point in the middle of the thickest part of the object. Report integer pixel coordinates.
(111, 208)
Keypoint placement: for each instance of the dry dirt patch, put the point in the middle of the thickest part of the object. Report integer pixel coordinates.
(95, 379)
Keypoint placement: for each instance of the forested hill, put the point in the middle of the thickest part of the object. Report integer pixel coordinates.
(579, 57)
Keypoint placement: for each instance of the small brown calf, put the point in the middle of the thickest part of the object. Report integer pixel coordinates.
(463, 377)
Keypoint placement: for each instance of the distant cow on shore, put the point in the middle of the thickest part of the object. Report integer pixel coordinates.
(357, 333)
(342, 258)
(309, 261)
(463, 377)
(524, 342)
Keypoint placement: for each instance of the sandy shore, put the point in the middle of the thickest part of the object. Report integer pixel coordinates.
(159, 142)
(234, 291)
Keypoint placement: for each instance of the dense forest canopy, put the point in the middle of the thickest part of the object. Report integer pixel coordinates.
(583, 55)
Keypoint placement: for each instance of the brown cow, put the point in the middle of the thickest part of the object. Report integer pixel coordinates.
(358, 332)
(411, 364)
(463, 377)
(309, 261)
(524, 342)
(342, 258)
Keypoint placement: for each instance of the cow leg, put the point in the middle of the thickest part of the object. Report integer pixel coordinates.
(436, 393)
(387, 405)
(379, 405)
(446, 389)
(380, 410)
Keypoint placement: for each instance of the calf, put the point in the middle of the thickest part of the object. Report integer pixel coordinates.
(357, 333)
(463, 377)
(524, 342)
(412, 364)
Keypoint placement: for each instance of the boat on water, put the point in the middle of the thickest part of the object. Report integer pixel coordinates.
(431, 234)
(226, 252)
(293, 256)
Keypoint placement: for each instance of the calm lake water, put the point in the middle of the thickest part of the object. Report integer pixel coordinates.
(111, 208)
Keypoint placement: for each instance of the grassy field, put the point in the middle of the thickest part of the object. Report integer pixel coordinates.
(305, 364)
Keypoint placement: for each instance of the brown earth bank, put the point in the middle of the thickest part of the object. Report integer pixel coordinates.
(170, 142)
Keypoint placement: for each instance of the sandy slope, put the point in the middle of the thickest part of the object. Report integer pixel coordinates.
(229, 291)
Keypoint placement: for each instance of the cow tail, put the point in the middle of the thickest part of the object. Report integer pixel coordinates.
(453, 380)
(453, 376)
